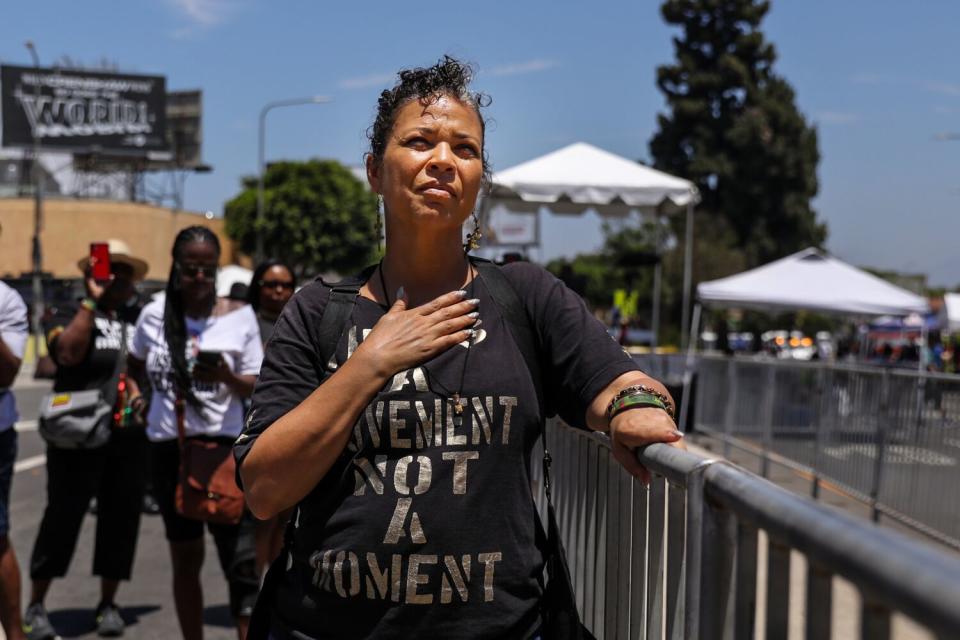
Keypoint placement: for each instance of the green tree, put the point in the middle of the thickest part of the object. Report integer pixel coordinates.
(317, 216)
(623, 263)
(733, 128)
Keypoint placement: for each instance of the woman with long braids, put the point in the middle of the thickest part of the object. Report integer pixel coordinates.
(170, 340)
(402, 433)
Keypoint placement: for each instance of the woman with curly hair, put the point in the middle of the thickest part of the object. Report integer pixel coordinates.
(403, 436)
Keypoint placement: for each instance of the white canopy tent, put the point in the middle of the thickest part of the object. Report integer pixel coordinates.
(815, 281)
(581, 177)
(230, 275)
(810, 280)
(950, 313)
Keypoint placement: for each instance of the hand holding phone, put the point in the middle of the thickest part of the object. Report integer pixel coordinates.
(209, 366)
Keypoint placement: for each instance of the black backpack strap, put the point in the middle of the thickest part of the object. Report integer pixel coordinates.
(560, 618)
(518, 320)
(333, 322)
(336, 315)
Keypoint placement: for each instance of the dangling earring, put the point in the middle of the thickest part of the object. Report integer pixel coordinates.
(473, 238)
(378, 225)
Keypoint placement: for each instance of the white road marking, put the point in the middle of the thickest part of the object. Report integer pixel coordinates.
(29, 463)
(895, 454)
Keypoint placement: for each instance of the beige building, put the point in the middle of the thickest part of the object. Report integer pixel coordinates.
(70, 225)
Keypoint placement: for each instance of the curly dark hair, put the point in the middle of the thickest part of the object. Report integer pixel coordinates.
(449, 77)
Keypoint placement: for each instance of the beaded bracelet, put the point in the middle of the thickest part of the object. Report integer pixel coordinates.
(639, 395)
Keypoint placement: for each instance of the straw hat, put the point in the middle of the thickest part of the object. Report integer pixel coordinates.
(120, 252)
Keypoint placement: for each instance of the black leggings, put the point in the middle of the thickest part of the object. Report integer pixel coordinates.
(115, 474)
(235, 543)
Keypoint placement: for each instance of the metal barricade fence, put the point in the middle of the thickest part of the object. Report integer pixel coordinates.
(888, 437)
(679, 559)
(666, 367)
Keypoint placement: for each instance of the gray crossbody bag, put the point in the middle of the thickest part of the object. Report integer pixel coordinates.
(82, 419)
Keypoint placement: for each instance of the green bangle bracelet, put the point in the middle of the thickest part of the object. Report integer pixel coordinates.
(636, 401)
(640, 389)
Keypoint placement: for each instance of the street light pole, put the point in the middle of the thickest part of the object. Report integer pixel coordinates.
(261, 164)
(37, 211)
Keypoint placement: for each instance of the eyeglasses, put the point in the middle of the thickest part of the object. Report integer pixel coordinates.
(276, 284)
(193, 270)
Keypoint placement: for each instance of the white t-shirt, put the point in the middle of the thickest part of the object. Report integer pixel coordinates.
(13, 330)
(235, 335)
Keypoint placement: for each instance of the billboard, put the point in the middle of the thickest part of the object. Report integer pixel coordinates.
(185, 127)
(184, 122)
(76, 110)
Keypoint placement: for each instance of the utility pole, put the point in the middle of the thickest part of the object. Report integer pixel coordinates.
(38, 303)
(261, 163)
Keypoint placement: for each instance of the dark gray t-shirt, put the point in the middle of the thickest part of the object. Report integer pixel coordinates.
(426, 526)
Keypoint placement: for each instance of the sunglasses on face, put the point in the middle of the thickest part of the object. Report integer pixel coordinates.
(276, 284)
(194, 270)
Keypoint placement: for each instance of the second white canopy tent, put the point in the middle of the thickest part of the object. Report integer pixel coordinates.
(581, 177)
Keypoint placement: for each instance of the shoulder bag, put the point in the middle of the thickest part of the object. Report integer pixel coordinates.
(561, 621)
(82, 419)
(206, 487)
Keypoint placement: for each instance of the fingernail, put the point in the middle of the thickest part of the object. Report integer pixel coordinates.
(678, 434)
(471, 334)
(473, 314)
(461, 293)
(400, 293)
(474, 301)
(477, 323)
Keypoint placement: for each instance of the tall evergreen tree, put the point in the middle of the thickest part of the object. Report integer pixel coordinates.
(734, 129)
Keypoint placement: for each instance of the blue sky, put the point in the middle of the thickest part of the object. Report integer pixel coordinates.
(879, 78)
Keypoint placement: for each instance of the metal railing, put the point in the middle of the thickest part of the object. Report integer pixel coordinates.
(679, 559)
(666, 367)
(888, 437)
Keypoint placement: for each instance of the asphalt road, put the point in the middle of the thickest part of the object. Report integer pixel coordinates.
(147, 600)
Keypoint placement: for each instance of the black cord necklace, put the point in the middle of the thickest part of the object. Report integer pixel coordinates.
(457, 400)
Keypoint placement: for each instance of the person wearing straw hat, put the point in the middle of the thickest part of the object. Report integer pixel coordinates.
(85, 342)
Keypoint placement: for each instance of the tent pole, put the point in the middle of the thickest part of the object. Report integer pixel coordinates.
(687, 274)
(536, 235)
(657, 276)
(688, 368)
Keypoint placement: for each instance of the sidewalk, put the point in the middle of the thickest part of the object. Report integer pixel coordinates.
(25, 379)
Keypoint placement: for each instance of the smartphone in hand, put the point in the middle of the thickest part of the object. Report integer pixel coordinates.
(100, 261)
(210, 359)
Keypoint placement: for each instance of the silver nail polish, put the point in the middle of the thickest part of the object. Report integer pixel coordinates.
(474, 301)
(477, 324)
(461, 293)
(473, 314)
(400, 293)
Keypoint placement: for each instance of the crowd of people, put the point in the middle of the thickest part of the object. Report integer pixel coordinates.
(158, 347)
(385, 454)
